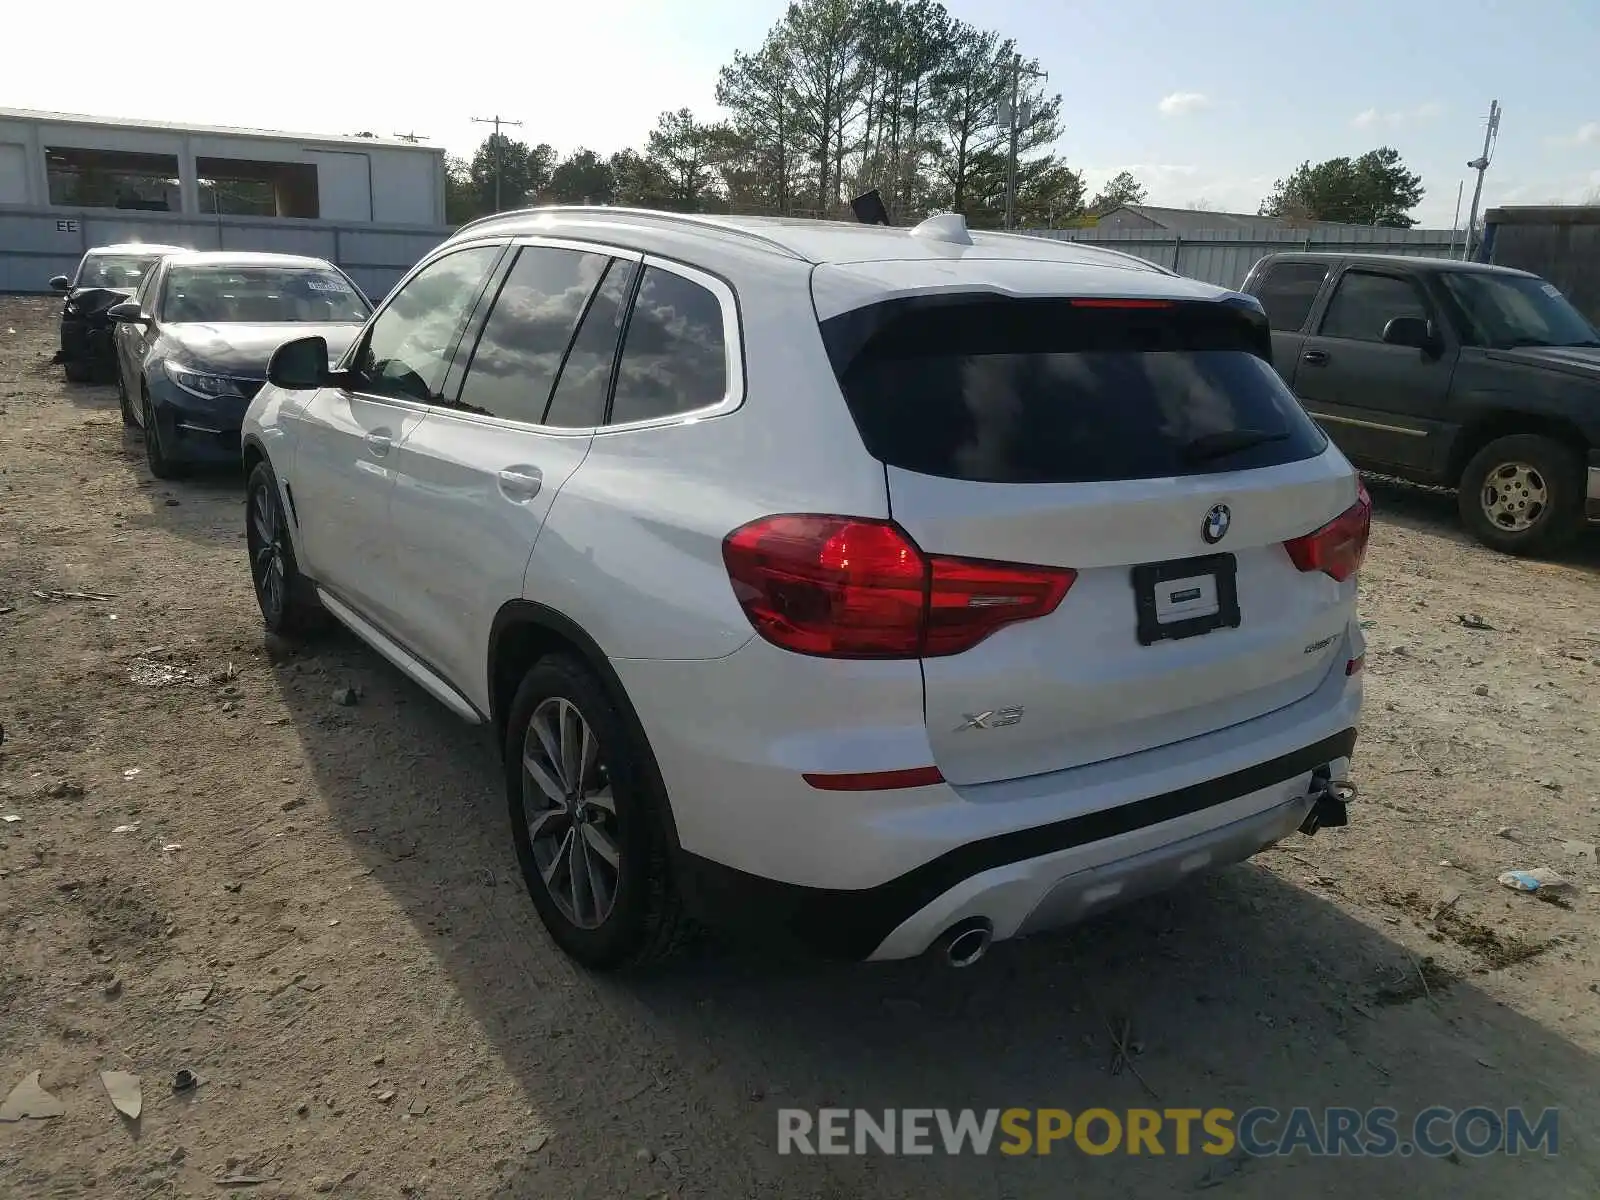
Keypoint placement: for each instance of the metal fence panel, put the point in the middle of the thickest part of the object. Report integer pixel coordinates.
(37, 243)
(1225, 256)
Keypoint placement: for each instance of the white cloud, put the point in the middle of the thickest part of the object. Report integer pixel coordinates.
(1179, 104)
(1373, 118)
(1587, 134)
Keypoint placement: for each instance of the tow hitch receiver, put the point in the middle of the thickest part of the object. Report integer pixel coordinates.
(1328, 808)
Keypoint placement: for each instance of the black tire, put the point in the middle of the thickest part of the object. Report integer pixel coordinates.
(125, 405)
(78, 372)
(287, 599)
(155, 455)
(645, 921)
(1540, 507)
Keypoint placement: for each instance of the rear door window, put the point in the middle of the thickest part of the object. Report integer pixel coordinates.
(1288, 291)
(1365, 302)
(519, 353)
(580, 396)
(1053, 391)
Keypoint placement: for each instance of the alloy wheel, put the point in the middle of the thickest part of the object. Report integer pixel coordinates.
(267, 565)
(1514, 496)
(570, 813)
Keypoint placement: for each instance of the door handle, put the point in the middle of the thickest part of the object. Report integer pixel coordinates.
(520, 484)
(1316, 358)
(379, 442)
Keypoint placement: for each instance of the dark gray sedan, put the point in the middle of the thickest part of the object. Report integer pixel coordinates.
(193, 343)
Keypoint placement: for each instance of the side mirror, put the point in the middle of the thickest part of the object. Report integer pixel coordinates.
(60, 283)
(127, 313)
(300, 365)
(1411, 331)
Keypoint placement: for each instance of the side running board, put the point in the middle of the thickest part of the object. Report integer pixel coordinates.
(397, 654)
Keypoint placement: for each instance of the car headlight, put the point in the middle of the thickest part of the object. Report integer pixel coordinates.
(198, 383)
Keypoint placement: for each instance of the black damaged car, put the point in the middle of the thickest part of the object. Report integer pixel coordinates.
(107, 275)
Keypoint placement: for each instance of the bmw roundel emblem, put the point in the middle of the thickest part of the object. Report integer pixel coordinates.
(1216, 524)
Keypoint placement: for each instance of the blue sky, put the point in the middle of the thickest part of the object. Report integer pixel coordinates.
(1205, 102)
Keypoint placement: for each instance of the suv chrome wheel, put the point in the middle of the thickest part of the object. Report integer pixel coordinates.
(570, 813)
(1514, 496)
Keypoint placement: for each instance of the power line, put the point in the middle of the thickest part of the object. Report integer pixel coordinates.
(496, 121)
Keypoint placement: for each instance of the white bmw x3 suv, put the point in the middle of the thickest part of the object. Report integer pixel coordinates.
(883, 589)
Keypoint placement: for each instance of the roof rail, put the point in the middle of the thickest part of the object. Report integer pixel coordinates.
(696, 220)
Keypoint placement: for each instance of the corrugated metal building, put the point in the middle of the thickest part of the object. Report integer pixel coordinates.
(66, 160)
(68, 182)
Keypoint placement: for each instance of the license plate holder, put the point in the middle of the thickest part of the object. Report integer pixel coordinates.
(1185, 597)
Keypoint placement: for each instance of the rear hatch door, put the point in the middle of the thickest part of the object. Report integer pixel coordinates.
(1148, 445)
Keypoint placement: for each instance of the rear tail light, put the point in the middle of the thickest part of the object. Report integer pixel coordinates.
(1356, 665)
(1340, 546)
(848, 587)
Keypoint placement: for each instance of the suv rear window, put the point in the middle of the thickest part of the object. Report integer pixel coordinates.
(1061, 391)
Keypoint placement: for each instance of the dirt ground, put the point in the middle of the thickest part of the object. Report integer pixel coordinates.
(314, 908)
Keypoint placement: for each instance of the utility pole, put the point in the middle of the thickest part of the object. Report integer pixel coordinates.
(1455, 221)
(1480, 165)
(1014, 122)
(496, 121)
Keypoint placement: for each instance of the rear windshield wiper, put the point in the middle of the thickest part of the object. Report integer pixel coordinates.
(1225, 442)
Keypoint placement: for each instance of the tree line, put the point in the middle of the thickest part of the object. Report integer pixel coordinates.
(843, 96)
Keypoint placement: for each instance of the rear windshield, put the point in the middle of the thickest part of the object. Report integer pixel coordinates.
(1055, 391)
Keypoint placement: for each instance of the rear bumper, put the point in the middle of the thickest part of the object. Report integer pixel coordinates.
(1591, 505)
(1069, 870)
(883, 874)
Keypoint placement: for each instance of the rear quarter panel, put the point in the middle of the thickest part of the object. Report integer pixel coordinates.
(632, 550)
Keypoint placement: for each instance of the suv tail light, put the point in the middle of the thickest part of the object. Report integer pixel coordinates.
(1340, 546)
(849, 587)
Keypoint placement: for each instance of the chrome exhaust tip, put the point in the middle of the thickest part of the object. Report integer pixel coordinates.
(965, 942)
(1330, 799)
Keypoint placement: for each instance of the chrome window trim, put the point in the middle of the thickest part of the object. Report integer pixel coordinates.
(731, 399)
(587, 247)
(732, 349)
